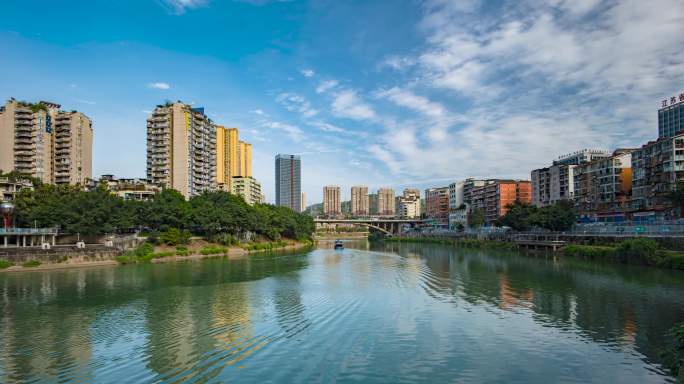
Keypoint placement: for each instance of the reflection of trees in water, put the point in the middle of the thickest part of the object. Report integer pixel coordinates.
(627, 306)
(39, 339)
(49, 321)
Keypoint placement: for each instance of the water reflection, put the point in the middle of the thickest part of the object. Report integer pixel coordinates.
(371, 313)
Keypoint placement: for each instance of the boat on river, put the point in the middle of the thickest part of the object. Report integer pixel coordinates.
(339, 244)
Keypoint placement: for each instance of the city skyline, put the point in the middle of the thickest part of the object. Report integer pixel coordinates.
(451, 76)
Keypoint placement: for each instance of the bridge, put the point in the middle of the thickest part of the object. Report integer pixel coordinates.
(389, 226)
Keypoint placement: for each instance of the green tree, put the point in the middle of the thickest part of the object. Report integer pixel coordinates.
(476, 218)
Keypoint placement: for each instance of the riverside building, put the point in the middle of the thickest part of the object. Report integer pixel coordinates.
(248, 188)
(40, 140)
(331, 201)
(288, 180)
(603, 187)
(493, 197)
(359, 200)
(409, 203)
(181, 149)
(557, 182)
(386, 203)
(671, 117)
(657, 167)
(437, 205)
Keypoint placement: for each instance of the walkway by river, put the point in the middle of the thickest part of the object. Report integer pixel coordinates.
(370, 313)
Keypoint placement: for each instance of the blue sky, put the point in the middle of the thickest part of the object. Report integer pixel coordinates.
(383, 93)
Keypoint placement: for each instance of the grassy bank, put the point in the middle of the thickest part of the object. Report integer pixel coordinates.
(633, 251)
(146, 252)
(461, 243)
(645, 252)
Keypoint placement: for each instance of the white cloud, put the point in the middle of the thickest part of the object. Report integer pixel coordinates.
(296, 103)
(180, 6)
(398, 62)
(348, 104)
(307, 72)
(292, 131)
(83, 101)
(259, 112)
(162, 86)
(326, 85)
(408, 99)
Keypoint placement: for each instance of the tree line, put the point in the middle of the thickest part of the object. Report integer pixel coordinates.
(210, 214)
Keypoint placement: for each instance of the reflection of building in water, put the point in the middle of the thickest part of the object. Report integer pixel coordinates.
(289, 308)
(178, 330)
(231, 309)
(508, 295)
(629, 328)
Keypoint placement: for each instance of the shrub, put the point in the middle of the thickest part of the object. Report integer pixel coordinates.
(213, 250)
(5, 264)
(671, 259)
(638, 251)
(673, 354)
(159, 255)
(123, 259)
(591, 252)
(31, 264)
(182, 251)
(174, 236)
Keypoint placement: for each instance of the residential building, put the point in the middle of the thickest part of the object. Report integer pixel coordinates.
(456, 195)
(603, 187)
(553, 184)
(11, 186)
(127, 189)
(386, 202)
(73, 148)
(40, 140)
(468, 186)
(437, 205)
(458, 218)
(331, 201)
(226, 156)
(657, 167)
(248, 188)
(245, 159)
(359, 200)
(181, 149)
(409, 203)
(671, 117)
(288, 180)
(493, 197)
(303, 203)
(373, 208)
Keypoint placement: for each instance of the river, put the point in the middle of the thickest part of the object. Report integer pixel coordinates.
(381, 312)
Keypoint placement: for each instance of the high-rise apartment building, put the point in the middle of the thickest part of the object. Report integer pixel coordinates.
(248, 188)
(181, 149)
(386, 202)
(409, 203)
(288, 181)
(359, 200)
(245, 159)
(226, 156)
(303, 202)
(671, 117)
(437, 205)
(40, 140)
(331, 200)
(456, 195)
